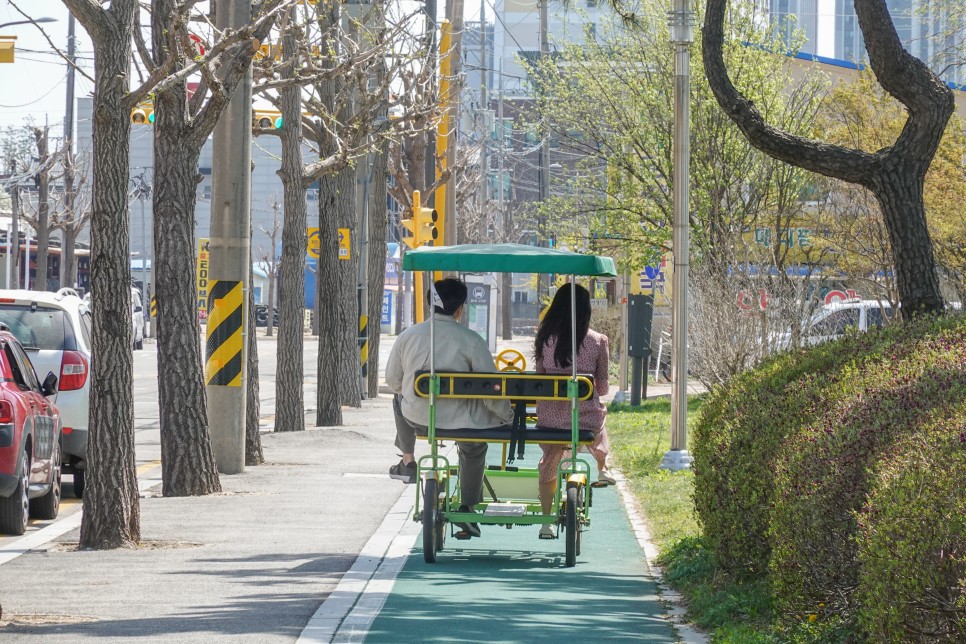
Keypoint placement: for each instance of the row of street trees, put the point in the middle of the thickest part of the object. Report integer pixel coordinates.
(330, 76)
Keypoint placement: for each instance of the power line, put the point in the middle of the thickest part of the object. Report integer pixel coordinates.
(45, 95)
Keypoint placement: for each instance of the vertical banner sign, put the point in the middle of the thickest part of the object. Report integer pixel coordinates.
(223, 348)
(202, 273)
(386, 319)
(344, 243)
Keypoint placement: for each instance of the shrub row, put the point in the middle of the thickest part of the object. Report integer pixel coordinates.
(799, 462)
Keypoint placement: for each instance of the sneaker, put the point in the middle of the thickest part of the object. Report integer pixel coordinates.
(405, 472)
(472, 529)
(546, 532)
(604, 477)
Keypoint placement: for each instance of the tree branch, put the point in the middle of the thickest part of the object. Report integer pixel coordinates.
(830, 160)
(51, 43)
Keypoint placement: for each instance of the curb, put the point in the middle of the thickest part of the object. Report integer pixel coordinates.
(674, 605)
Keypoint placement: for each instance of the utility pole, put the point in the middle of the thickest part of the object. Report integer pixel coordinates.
(680, 20)
(543, 280)
(454, 55)
(230, 259)
(431, 9)
(68, 272)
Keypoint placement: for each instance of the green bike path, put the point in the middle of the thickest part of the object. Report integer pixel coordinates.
(510, 586)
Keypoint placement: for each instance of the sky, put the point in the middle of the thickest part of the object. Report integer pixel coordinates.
(35, 86)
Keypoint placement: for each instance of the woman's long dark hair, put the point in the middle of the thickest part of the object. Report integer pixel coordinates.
(556, 324)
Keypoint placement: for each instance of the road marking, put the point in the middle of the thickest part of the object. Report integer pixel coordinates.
(60, 527)
(350, 609)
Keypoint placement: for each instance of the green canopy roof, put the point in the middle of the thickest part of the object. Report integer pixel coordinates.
(506, 258)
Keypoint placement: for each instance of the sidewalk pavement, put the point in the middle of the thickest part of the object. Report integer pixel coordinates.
(251, 564)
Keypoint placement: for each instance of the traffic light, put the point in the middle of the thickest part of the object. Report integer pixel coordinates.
(267, 119)
(143, 114)
(410, 224)
(412, 241)
(426, 219)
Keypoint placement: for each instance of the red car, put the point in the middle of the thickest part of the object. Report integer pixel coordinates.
(30, 435)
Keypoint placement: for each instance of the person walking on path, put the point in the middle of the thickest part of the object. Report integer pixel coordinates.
(457, 349)
(553, 352)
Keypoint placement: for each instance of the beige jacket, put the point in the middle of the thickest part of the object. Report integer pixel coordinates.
(457, 349)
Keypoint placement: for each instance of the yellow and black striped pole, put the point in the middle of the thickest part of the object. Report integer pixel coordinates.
(364, 347)
(224, 337)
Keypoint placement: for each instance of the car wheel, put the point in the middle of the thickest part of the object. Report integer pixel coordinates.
(139, 345)
(47, 506)
(80, 482)
(15, 509)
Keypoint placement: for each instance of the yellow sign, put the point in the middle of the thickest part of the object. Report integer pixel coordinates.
(315, 243)
(7, 49)
(344, 243)
(202, 273)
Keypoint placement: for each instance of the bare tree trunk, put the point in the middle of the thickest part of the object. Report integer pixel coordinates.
(43, 206)
(289, 401)
(189, 463)
(253, 439)
(332, 317)
(329, 280)
(344, 287)
(71, 227)
(112, 516)
(378, 220)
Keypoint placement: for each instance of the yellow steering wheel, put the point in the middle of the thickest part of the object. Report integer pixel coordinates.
(511, 360)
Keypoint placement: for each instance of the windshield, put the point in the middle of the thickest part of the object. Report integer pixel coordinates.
(40, 328)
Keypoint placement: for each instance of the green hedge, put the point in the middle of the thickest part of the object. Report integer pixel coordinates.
(912, 537)
(824, 471)
(787, 457)
(737, 439)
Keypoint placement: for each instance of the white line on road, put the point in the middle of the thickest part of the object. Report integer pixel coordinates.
(347, 614)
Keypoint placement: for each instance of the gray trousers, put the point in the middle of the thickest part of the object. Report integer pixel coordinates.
(472, 456)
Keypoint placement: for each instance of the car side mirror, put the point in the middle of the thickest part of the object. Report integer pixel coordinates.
(138, 309)
(49, 387)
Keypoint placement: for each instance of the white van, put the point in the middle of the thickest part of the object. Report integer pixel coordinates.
(835, 320)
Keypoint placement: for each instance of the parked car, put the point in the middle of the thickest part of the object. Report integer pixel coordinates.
(30, 437)
(55, 331)
(137, 319)
(261, 315)
(834, 320)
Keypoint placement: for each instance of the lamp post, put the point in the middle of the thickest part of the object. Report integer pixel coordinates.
(680, 19)
(27, 22)
(7, 48)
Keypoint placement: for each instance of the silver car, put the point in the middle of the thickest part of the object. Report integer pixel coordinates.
(55, 331)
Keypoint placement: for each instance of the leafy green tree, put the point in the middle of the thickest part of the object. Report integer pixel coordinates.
(861, 115)
(894, 174)
(609, 105)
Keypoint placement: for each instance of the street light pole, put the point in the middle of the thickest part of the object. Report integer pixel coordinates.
(543, 280)
(28, 22)
(680, 19)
